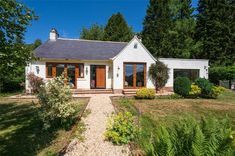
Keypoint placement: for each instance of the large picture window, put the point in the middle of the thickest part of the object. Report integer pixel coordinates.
(192, 74)
(134, 75)
(56, 69)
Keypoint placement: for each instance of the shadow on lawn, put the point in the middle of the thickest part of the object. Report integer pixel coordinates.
(20, 130)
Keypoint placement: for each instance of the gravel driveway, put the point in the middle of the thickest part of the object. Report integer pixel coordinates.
(94, 144)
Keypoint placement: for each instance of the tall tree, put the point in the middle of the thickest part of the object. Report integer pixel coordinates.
(14, 19)
(169, 29)
(117, 29)
(95, 32)
(157, 22)
(182, 34)
(216, 30)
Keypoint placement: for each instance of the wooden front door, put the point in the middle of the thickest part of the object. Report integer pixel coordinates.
(100, 76)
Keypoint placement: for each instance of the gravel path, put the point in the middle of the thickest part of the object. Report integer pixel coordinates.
(94, 144)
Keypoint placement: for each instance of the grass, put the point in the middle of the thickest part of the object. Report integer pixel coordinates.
(10, 93)
(21, 130)
(152, 113)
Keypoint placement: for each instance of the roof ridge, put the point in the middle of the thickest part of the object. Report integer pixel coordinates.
(78, 39)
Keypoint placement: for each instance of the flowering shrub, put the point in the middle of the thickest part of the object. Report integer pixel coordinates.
(145, 93)
(121, 128)
(216, 91)
(195, 90)
(57, 108)
(35, 82)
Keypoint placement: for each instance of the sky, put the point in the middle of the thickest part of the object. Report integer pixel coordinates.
(70, 16)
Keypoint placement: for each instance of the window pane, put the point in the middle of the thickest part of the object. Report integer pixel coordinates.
(139, 75)
(71, 75)
(49, 70)
(192, 74)
(81, 70)
(59, 69)
(93, 76)
(129, 75)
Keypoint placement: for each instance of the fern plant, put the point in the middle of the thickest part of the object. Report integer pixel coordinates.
(188, 137)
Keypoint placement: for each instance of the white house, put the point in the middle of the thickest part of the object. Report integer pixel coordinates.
(115, 66)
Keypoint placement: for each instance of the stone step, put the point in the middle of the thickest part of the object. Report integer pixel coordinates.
(92, 91)
(130, 91)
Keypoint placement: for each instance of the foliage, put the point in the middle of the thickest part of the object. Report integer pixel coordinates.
(35, 82)
(159, 74)
(169, 29)
(205, 85)
(14, 19)
(156, 24)
(221, 73)
(216, 91)
(189, 137)
(95, 32)
(215, 29)
(117, 29)
(121, 128)
(57, 108)
(182, 86)
(195, 90)
(25, 136)
(145, 93)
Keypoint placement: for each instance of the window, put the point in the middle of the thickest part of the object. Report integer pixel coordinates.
(60, 69)
(81, 70)
(139, 75)
(49, 70)
(192, 74)
(56, 69)
(129, 75)
(134, 75)
(135, 45)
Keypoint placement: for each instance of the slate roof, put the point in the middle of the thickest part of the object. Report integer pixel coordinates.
(79, 49)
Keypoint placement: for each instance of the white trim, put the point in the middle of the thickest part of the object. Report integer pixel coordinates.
(182, 59)
(135, 37)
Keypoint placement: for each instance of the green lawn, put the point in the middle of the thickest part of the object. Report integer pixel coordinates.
(152, 113)
(21, 132)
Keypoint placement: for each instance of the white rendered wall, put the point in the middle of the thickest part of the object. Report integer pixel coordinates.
(130, 54)
(38, 68)
(82, 83)
(173, 63)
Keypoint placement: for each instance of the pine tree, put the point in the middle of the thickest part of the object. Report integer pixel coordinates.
(95, 32)
(181, 35)
(156, 24)
(216, 30)
(169, 28)
(117, 29)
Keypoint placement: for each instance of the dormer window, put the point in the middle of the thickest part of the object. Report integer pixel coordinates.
(135, 46)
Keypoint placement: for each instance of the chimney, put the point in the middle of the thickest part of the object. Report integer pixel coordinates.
(53, 34)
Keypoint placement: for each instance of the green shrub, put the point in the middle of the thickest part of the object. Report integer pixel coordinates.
(216, 91)
(145, 93)
(158, 73)
(190, 137)
(121, 128)
(195, 90)
(205, 85)
(57, 108)
(182, 86)
(221, 73)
